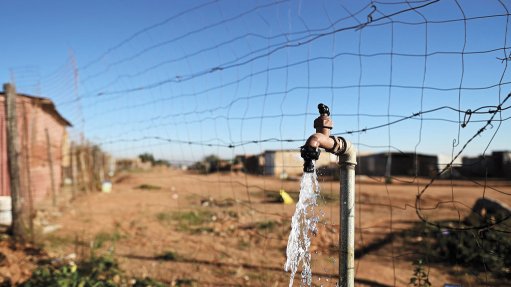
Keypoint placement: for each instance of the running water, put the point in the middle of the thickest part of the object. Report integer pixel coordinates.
(303, 223)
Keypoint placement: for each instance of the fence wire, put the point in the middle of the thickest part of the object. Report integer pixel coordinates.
(229, 82)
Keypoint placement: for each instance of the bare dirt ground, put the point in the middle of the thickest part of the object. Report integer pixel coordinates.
(187, 229)
(17, 261)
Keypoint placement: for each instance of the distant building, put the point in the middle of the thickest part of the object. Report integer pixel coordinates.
(401, 164)
(284, 163)
(502, 164)
(252, 164)
(444, 160)
(496, 165)
(131, 164)
(36, 117)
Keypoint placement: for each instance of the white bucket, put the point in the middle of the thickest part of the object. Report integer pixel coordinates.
(106, 186)
(5, 203)
(5, 217)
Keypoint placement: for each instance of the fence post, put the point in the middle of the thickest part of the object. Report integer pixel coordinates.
(50, 161)
(18, 229)
(92, 175)
(83, 168)
(27, 167)
(72, 163)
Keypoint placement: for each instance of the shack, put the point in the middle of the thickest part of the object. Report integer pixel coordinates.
(122, 164)
(41, 131)
(401, 164)
(252, 164)
(496, 165)
(284, 163)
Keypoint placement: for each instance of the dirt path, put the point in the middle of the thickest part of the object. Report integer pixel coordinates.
(223, 230)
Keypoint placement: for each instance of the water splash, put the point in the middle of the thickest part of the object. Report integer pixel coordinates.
(303, 223)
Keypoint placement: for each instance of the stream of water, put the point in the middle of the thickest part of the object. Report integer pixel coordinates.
(303, 224)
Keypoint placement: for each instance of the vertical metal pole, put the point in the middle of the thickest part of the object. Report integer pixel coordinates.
(347, 220)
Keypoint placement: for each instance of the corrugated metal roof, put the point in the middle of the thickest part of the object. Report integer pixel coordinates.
(47, 105)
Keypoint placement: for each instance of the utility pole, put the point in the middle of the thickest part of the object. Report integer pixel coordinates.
(18, 229)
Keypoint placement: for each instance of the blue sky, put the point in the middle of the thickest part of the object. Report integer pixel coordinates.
(132, 74)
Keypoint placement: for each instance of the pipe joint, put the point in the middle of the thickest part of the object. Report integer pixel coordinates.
(348, 154)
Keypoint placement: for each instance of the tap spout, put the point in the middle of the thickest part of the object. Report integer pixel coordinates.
(321, 139)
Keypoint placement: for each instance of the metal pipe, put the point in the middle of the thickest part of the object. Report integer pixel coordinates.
(347, 162)
(347, 155)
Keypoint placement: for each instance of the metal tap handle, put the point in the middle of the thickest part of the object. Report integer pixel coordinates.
(323, 109)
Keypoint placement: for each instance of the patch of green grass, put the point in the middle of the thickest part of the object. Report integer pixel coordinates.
(243, 245)
(186, 220)
(148, 187)
(259, 276)
(102, 237)
(98, 271)
(232, 214)
(181, 282)
(164, 217)
(195, 217)
(267, 225)
(54, 241)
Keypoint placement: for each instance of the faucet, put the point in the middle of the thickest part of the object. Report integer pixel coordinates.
(322, 139)
(347, 156)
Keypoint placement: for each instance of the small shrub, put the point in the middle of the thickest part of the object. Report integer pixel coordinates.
(420, 277)
(479, 250)
(98, 271)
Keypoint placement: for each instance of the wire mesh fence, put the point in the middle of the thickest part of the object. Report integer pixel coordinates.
(204, 113)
